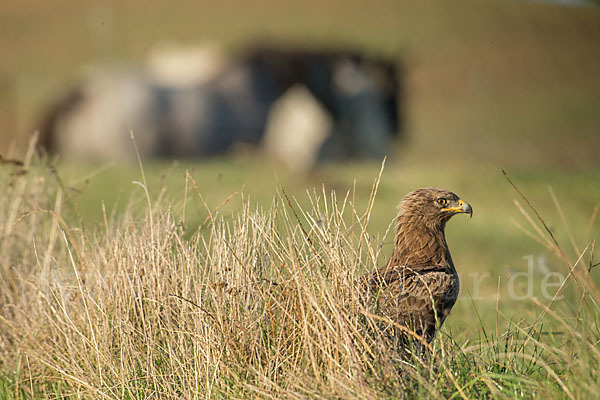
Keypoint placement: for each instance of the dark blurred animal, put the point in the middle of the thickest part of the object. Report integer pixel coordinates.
(419, 285)
(362, 94)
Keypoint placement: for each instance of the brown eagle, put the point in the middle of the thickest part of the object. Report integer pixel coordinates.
(419, 285)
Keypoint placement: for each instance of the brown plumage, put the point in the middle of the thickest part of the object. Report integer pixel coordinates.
(420, 272)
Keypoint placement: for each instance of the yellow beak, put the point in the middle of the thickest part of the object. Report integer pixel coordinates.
(463, 207)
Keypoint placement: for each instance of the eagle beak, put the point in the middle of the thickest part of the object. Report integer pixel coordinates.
(463, 207)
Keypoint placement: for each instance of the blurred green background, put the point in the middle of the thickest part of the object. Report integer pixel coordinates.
(500, 81)
(490, 85)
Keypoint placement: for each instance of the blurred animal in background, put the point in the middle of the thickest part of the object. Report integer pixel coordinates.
(303, 105)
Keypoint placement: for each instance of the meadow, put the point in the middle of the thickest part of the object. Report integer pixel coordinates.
(232, 278)
(175, 281)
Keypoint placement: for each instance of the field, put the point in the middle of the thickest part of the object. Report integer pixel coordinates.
(192, 290)
(231, 278)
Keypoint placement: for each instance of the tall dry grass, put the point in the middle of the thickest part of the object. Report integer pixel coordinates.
(259, 304)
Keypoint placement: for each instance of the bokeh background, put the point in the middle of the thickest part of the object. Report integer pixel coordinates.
(488, 84)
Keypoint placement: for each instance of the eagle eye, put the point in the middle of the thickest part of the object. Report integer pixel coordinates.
(442, 202)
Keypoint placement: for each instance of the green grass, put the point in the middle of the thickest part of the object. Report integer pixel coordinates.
(503, 81)
(492, 347)
(490, 243)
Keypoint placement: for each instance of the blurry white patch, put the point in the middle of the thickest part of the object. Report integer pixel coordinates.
(296, 128)
(184, 66)
(114, 103)
(542, 265)
(349, 79)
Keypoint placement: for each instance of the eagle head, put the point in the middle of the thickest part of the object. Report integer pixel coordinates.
(432, 206)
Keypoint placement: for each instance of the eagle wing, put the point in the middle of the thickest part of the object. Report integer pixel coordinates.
(419, 298)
